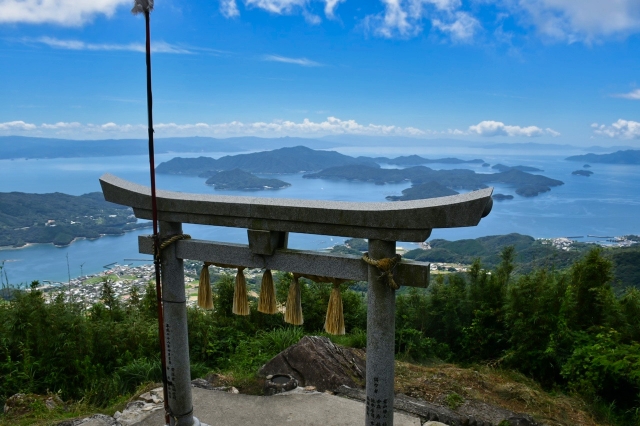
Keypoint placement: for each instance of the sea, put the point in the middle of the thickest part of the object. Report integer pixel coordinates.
(603, 205)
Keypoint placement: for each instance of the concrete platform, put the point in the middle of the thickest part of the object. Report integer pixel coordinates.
(304, 409)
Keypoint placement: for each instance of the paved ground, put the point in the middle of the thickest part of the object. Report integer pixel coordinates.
(304, 409)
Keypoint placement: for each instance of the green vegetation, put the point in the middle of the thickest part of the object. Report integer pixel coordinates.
(566, 329)
(60, 218)
(423, 190)
(241, 180)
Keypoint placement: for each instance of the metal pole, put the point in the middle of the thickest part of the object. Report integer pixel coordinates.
(178, 369)
(154, 209)
(381, 313)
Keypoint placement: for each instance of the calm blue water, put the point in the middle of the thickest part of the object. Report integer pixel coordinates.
(607, 203)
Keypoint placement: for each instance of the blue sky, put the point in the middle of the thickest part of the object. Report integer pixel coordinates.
(551, 71)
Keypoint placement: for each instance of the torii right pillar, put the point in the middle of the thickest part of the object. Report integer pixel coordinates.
(381, 325)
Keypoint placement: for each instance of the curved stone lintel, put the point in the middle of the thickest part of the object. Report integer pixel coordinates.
(391, 221)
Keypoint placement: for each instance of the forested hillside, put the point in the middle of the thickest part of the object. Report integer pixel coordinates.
(59, 218)
(566, 329)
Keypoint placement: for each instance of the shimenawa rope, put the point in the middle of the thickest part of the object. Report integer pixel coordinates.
(386, 267)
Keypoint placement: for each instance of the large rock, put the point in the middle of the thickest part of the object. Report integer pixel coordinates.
(316, 361)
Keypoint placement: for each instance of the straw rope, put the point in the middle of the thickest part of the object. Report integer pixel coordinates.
(386, 267)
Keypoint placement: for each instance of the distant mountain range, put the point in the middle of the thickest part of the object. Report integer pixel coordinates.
(630, 156)
(13, 147)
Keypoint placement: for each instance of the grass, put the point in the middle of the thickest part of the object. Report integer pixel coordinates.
(450, 385)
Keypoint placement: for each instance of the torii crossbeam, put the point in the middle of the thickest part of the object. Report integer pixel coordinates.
(268, 222)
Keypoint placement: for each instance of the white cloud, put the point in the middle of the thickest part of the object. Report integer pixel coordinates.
(297, 61)
(621, 129)
(277, 6)
(331, 125)
(405, 18)
(497, 128)
(229, 8)
(330, 7)
(61, 12)
(16, 125)
(157, 47)
(462, 28)
(634, 95)
(61, 125)
(580, 20)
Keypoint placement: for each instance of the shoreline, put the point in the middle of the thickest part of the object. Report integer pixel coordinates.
(5, 248)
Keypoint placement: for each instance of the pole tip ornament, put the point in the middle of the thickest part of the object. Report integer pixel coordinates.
(142, 6)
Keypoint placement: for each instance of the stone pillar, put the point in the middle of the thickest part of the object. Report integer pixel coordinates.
(175, 330)
(381, 311)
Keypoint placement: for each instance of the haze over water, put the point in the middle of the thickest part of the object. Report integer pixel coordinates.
(605, 204)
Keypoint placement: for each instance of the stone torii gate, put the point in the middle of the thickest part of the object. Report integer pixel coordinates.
(268, 222)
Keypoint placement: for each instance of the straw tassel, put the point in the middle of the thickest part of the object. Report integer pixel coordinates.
(267, 301)
(205, 299)
(293, 315)
(334, 324)
(240, 301)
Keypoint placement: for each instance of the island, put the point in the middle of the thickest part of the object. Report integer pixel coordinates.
(278, 161)
(240, 180)
(424, 190)
(335, 166)
(415, 160)
(587, 166)
(585, 173)
(290, 160)
(532, 190)
(527, 184)
(629, 156)
(502, 197)
(60, 218)
(503, 168)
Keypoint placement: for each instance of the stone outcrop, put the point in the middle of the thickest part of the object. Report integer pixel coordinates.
(21, 403)
(316, 361)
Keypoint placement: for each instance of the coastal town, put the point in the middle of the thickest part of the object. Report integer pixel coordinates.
(122, 279)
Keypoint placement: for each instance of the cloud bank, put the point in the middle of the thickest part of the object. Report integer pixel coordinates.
(306, 127)
(331, 126)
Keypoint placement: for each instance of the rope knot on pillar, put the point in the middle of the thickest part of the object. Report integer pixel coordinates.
(385, 266)
(166, 243)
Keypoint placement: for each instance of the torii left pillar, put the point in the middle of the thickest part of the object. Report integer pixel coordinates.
(175, 332)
